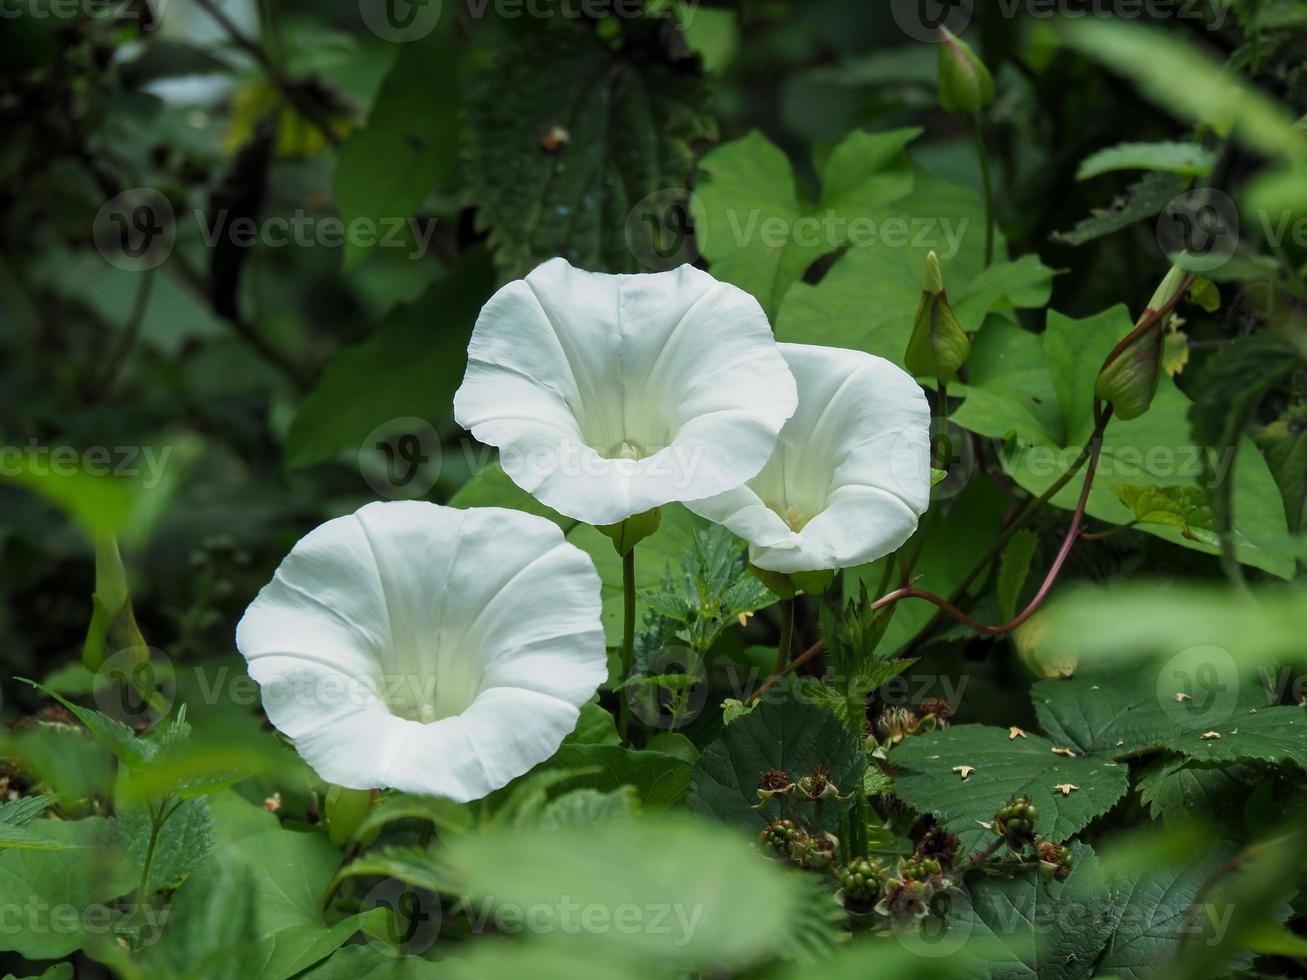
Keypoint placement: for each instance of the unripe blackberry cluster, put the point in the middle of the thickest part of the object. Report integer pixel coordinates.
(779, 835)
(862, 881)
(1055, 861)
(1016, 821)
(919, 870)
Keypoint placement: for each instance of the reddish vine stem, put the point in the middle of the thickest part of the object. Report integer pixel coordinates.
(1095, 446)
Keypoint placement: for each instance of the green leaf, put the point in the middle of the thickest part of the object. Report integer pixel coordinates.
(182, 843)
(1037, 392)
(1284, 443)
(1013, 569)
(1153, 914)
(791, 736)
(742, 907)
(409, 368)
(587, 807)
(1188, 159)
(595, 726)
(1003, 768)
(1142, 200)
(1177, 788)
(1123, 712)
(868, 298)
(364, 962)
(42, 885)
(131, 751)
(660, 780)
(16, 816)
(408, 148)
(1184, 507)
(566, 135)
(757, 233)
(1003, 922)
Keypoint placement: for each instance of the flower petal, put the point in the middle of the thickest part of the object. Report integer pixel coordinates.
(851, 470)
(610, 395)
(407, 617)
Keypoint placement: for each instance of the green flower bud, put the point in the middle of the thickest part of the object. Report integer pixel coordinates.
(627, 534)
(113, 623)
(939, 345)
(1128, 379)
(965, 84)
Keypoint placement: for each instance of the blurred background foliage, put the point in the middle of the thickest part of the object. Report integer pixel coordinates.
(218, 398)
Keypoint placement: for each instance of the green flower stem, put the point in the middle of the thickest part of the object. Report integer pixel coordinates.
(983, 156)
(787, 635)
(628, 639)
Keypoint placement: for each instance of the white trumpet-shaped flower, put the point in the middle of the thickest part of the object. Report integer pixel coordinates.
(609, 395)
(850, 475)
(425, 648)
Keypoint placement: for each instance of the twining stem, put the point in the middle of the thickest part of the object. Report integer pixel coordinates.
(628, 639)
(983, 155)
(1093, 449)
(787, 634)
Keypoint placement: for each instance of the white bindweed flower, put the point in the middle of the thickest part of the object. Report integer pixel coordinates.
(425, 648)
(608, 395)
(850, 475)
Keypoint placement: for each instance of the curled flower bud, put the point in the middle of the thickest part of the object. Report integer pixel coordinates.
(1128, 378)
(938, 346)
(965, 84)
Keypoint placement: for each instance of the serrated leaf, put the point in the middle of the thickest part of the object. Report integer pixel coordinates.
(790, 736)
(1284, 442)
(1125, 712)
(587, 807)
(1185, 507)
(660, 780)
(1177, 787)
(755, 230)
(15, 830)
(1141, 200)
(1187, 159)
(181, 845)
(1013, 569)
(130, 750)
(565, 135)
(1003, 922)
(1002, 768)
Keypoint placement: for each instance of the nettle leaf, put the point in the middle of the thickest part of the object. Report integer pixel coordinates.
(1036, 392)
(586, 807)
(181, 845)
(1023, 927)
(1141, 201)
(1002, 767)
(1184, 507)
(755, 230)
(868, 299)
(16, 818)
(132, 751)
(1188, 159)
(1198, 694)
(1177, 787)
(565, 135)
(791, 736)
(744, 908)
